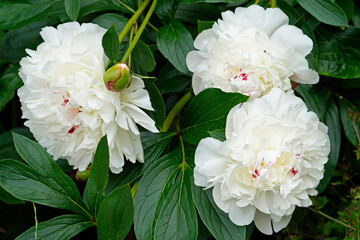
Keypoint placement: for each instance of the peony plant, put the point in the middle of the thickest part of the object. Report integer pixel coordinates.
(175, 119)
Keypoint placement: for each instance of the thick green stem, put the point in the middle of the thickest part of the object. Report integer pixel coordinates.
(133, 19)
(257, 2)
(273, 3)
(133, 11)
(331, 218)
(139, 32)
(176, 109)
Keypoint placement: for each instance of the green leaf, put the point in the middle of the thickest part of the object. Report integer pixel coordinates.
(7, 149)
(356, 16)
(325, 11)
(60, 228)
(332, 120)
(154, 144)
(98, 178)
(9, 83)
(207, 112)
(347, 6)
(108, 19)
(192, 12)
(171, 80)
(164, 206)
(46, 168)
(111, 44)
(203, 25)
(14, 14)
(336, 61)
(349, 37)
(116, 214)
(165, 9)
(216, 1)
(157, 103)
(315, 100)
(143, 56)
(174, 42)
(349, 128)
(24, 183)
(72, 8)
(16, 41)
(216, 220)
(7, 198)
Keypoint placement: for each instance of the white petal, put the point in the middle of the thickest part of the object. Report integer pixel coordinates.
(282, 223)
(223, 205)
(263, 222)
(242, 216)
(295, 38)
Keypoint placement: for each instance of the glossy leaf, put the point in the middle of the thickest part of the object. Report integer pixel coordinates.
(171, 80)
(216, 220)
(165, 9)
(154, 144)
(203, 25)
(207, 112)
(14, 14)
(98, 178)
(111, 44)
(347, 122)
(72, 8)
(46, 168)
(7, 198)
(143, 56)
(325, 11)
(116, 214)
(108, 19)
(60, 228)
(192, 12)
(16, 41)
(174, 42)
(347, 6)
(157, 103)
(332, 120)
(336, 61)
(315, 100)
(164, 207)
(9, 83)
(24, 183)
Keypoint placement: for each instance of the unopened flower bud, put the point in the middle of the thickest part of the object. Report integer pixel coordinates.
(117, 77)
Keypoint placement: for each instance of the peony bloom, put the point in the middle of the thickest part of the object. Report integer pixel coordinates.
(271, 161)
(251, 51)
(68, 106)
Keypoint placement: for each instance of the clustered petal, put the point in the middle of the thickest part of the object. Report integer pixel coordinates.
(68, 106)
(271, 161)
(251, 51)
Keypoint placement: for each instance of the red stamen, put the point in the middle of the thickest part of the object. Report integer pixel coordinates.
(72, 129)
(293, 171)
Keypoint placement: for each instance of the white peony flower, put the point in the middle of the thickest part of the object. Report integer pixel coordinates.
(68, 106)
(271, 161)
(251, 51)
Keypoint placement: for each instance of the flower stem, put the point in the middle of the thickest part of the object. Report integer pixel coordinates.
(141, 29)
(36, 221)
(177, 124)
(131, 21)
(133, 11)
(331, 218)
(174, 111)
(257, 2)
(131, 36)
(273, 3)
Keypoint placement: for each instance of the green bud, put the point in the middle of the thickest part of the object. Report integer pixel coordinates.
(117, 77)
